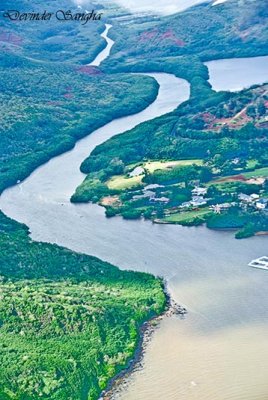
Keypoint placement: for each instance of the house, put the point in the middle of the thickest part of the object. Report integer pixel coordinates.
(160, 199)
(146, 194)
(220, 207)
(236, 161)
(136, 172)
(244, 198)
(199, 191)
(261, 204)
(254, 196)
(216, 208)
(198, 201)
(225, 206)
(153, 186)
(186, 204)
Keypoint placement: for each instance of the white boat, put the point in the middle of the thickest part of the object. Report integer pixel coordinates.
(261, 263)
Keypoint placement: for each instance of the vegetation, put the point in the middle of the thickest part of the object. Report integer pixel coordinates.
(46, 108)
(188, 218)
(69, 322)
(180, 43)
(232, 220)
(52, 41)
(234, 29)
(230, 150)
(226, 132)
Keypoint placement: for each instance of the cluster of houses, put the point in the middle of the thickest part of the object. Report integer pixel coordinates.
(199, 199)
(244, 201)
(254, 200)
(151, 195)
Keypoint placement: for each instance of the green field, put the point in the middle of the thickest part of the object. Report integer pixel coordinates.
(257, 173)
(152, 166)
(186, 216)
(252, 164)
(123, 182)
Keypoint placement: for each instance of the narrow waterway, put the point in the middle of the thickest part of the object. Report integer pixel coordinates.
(106, 51)
(219, 352)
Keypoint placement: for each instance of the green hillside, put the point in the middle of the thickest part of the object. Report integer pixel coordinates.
(69, 322)
(227, 131)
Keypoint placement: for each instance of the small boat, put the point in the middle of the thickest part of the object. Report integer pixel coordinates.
(261, 263)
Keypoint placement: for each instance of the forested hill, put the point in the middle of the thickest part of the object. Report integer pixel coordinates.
(232, 29)
(48, 99)
(203, 130)
(68, 322)
(52, 40)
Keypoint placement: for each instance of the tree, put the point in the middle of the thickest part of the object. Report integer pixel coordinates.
(261, 109)
(251, 111)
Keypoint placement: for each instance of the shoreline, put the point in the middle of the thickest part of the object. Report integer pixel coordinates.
(146, 331)
(261, 233)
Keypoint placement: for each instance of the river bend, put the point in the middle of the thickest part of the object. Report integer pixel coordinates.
(219, 352)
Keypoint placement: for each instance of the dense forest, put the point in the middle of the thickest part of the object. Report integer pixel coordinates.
(58, 42)
(49, 96)
(235, 29)
(46, 108)
(69, 322)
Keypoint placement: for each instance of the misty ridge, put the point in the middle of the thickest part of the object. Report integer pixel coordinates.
(162, 6)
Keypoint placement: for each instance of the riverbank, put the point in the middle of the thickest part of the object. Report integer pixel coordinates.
(200, 176)
(118, 96)
(87, 312)
(117, 301)
(146, 332)
(261, 233)
(203, 276)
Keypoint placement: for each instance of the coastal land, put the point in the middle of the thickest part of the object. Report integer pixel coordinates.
(206, 162)
(71, 322)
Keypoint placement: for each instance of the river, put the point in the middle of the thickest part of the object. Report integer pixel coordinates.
(219, 352)
(237, 74)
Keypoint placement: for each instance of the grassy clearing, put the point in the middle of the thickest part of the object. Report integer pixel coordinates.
(252, 164)
(187, 216)
(152, 166)
(122, 182)
(257, 173)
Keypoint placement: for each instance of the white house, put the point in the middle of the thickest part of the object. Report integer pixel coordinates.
(136, 171)
(261, 204)
(199, 191)
(245, 198)
(198, 201)
(254, 196)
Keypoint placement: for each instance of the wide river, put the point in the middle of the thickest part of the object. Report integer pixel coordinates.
(220, 351)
